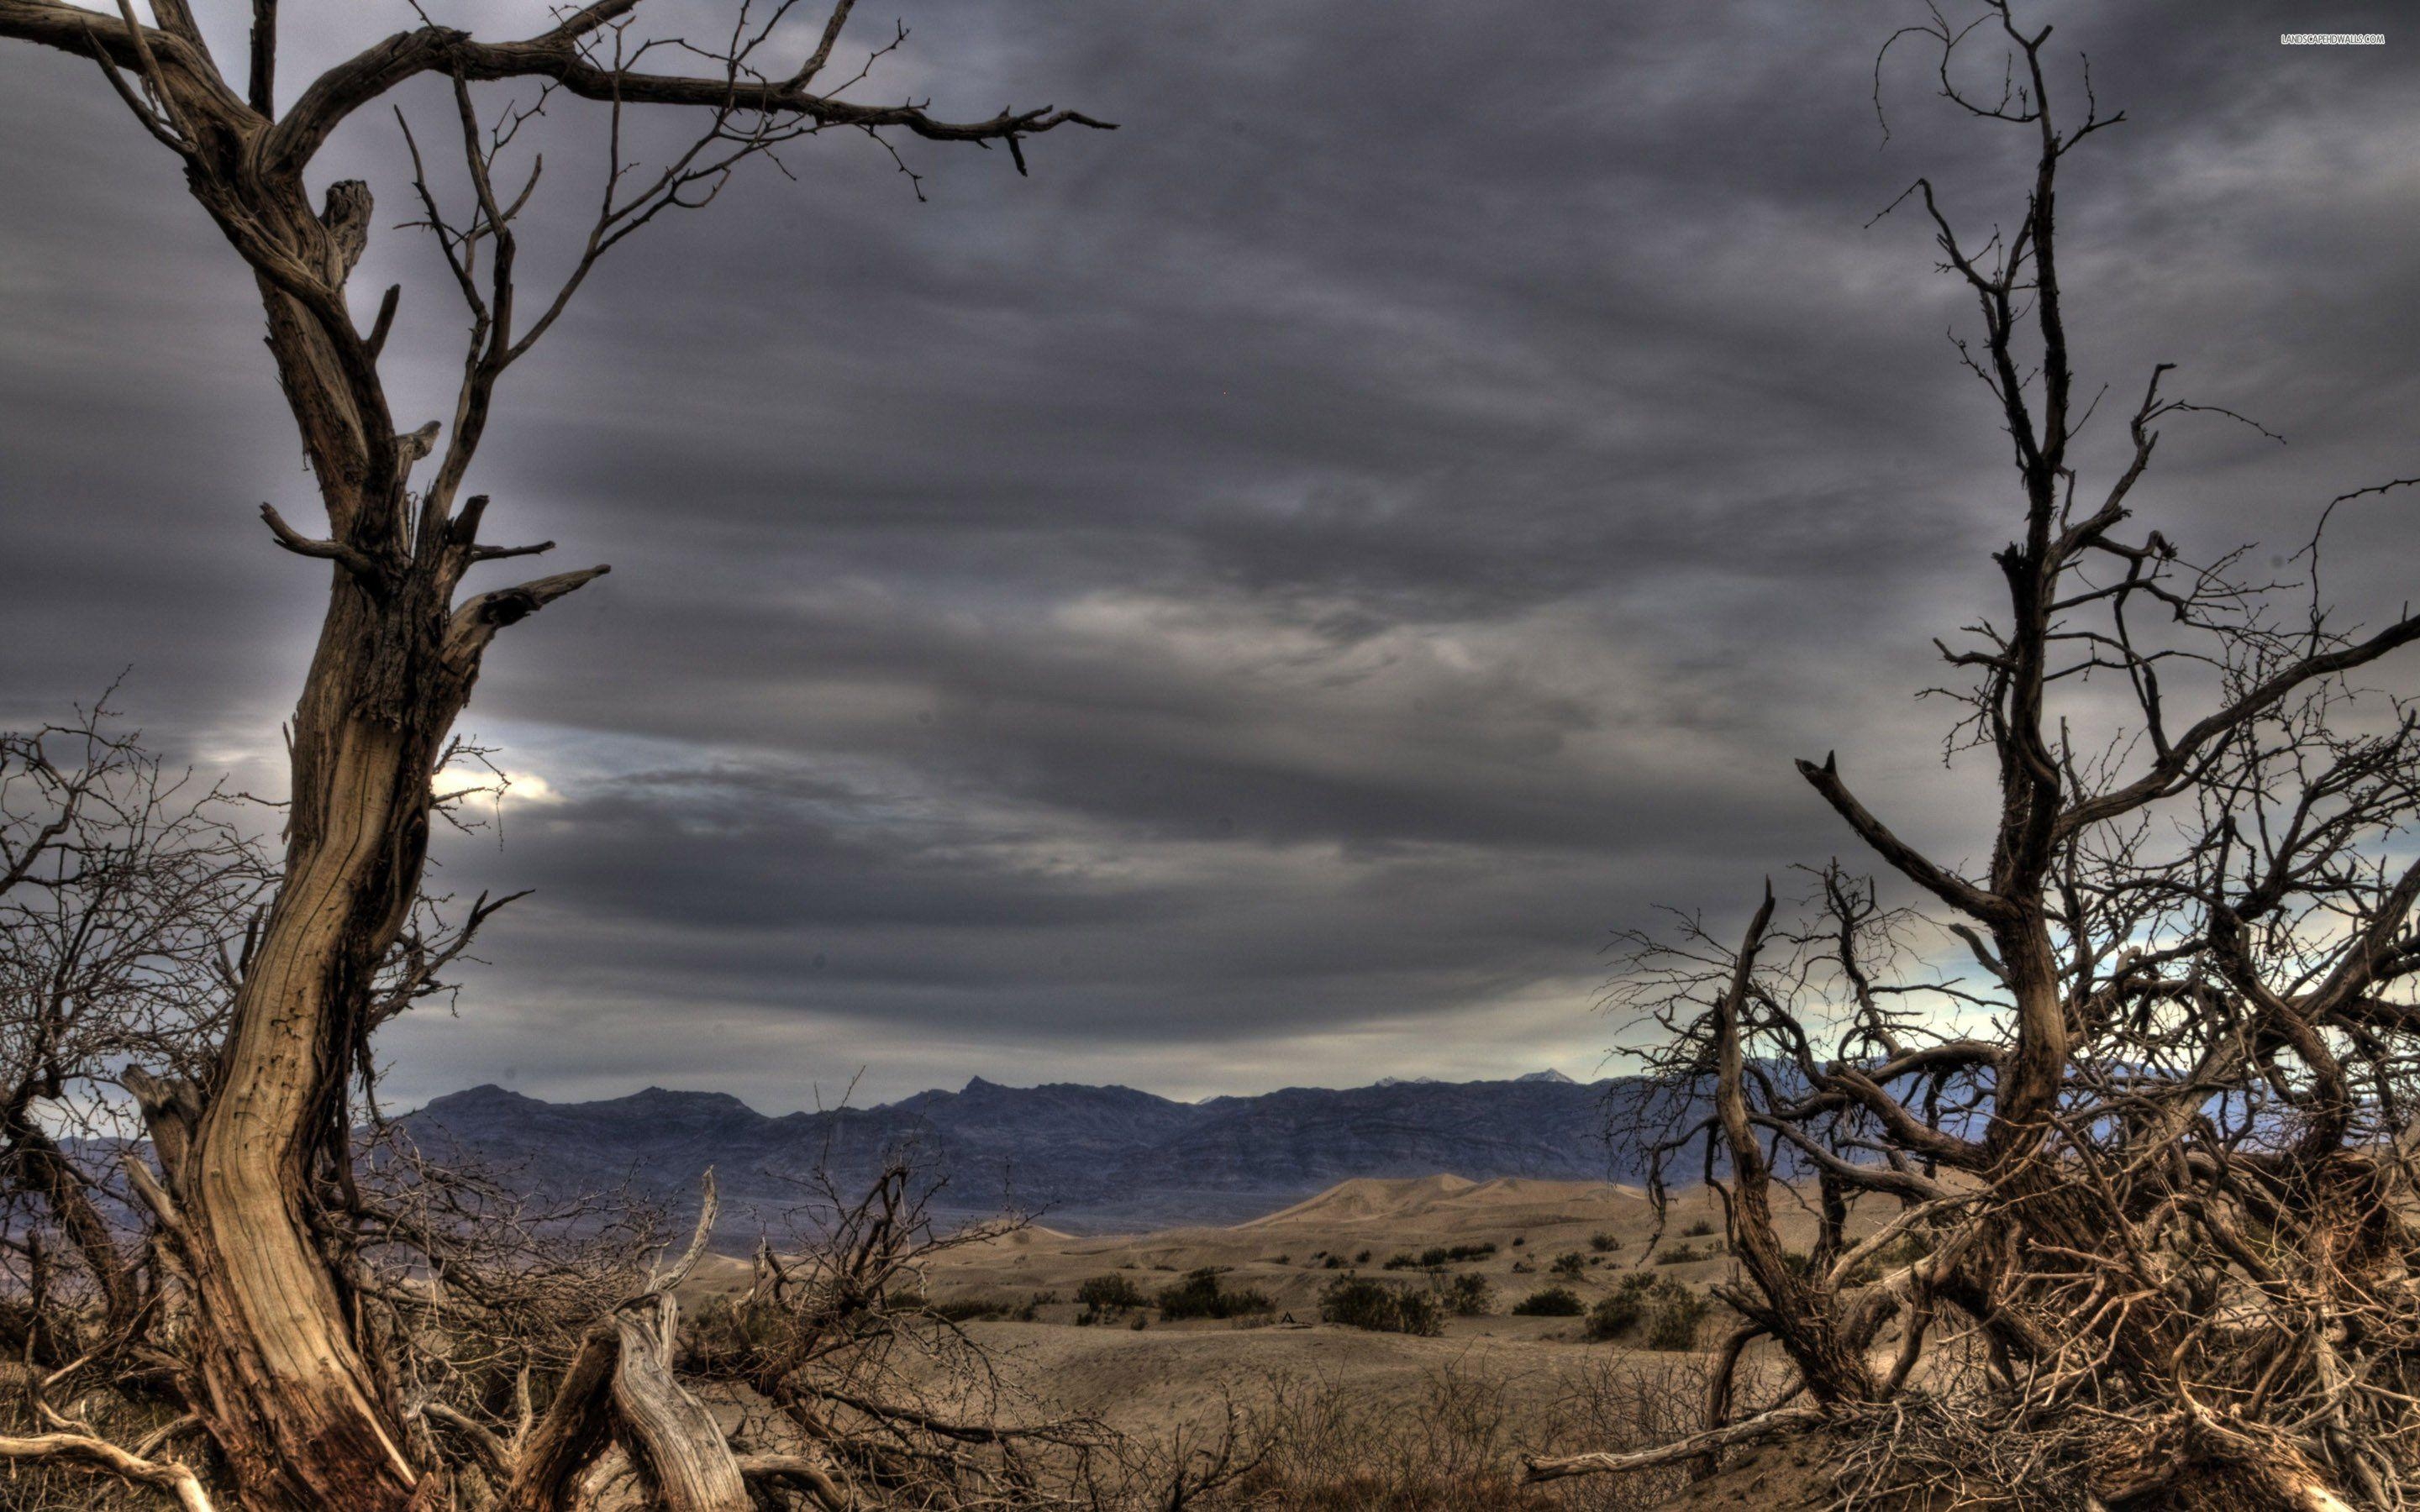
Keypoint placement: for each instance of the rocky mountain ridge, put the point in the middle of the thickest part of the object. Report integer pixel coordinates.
(1082, 1157)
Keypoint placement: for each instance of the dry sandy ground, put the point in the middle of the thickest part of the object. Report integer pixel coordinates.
(1165, 1373)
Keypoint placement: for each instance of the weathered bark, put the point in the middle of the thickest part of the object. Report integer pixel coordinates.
(620, 1388)
(42, 1167)
(1793, 1306)
(1772, 1424)
(83, 1452)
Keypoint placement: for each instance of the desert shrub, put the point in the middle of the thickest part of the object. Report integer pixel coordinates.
(968, 1309)
(1202, 1295)
(1674, 1319)
(1141, 1321)
(1334, 1262)
(1569, 1266)
(1603, 1242)
(1697, 1230)
(1110, 1294)
(1467, 1296)
(1551, 1301)
(1358, 1302)
(1519, 1239)
(1400, 1261)
(1616, 1315)
(1362, 1259)
(1282, 1259)
(1670, 1312)
(1679, 1255)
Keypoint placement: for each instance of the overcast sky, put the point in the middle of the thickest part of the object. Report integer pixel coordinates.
(1256, 603)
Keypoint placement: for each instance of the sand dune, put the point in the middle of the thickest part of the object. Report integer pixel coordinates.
(1369, 1196)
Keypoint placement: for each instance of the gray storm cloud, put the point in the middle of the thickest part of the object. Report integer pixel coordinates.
(1257, 602)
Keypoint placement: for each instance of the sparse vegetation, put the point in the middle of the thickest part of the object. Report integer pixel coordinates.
(1359, 1301)
(1468, 1295)
(1203, 1294)
(1105, 1295)
(1437, 1256)
(1571, 1267)
(1674, 1319)
(1550, 1302)
(1666, 1314)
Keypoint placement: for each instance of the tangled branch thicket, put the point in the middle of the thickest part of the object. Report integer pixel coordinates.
(2145, 1145)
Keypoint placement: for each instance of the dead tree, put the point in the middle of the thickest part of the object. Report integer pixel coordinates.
(299, 1402)
(2146, 1146)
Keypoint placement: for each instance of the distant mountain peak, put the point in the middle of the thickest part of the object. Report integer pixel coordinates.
(487, 1094)
(1092, 1156)
(679, 1097)
(1549, 1075)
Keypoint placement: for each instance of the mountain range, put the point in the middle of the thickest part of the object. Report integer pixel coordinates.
(1080, 1158)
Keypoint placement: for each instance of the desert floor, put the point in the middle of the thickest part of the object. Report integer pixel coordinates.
(1167, 1373)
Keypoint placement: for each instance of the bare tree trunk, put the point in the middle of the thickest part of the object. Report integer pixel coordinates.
(258, 1207)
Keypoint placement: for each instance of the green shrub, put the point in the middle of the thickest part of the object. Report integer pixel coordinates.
(1554, 1301)
(1569, 1266)
(1357, 1302)
(1110, 1294)
(1201, 1295)
(1679, 1255)
(1697, 1230)
(1603, 1242)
